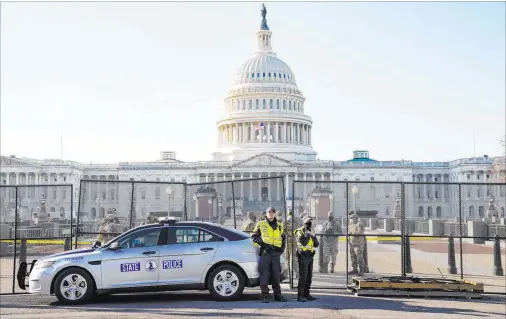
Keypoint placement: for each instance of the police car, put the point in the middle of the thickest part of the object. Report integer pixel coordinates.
(171, 255)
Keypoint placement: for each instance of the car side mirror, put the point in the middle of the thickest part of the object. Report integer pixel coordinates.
(114, 246)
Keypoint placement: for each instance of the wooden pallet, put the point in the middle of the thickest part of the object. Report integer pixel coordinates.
(415, 286)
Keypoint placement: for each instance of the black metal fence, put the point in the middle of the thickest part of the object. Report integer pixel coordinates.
(448, 230)
(35, 221)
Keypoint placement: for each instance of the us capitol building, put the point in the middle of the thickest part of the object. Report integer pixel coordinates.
(264, 133)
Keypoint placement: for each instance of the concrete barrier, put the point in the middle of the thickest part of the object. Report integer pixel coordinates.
(477, 228)
(436, 227)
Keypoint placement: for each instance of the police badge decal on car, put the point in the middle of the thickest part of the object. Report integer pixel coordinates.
(150, 265)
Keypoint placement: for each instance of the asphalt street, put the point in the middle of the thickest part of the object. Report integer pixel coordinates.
(332, 304)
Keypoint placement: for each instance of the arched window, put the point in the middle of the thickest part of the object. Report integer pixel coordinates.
(269, 74)
(290, 105)
(481, 211)
(243, 104)
(439, 213)
(277, 104)
(264, 102)
(471, 211)
(270, 103)
(420, 211)
(284, 104)
(257, 104)
(502, 212)
(250, 104)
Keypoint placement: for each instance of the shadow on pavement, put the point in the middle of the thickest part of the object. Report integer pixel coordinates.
(179, 303)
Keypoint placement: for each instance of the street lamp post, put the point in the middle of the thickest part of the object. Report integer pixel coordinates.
(168, 190)
(210, 202)
(355, 191)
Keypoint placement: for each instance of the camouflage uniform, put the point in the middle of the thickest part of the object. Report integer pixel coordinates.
(291, 243)
(150, 219)
(330, 228)
(356, 246)
(109, 224)
(250, 224)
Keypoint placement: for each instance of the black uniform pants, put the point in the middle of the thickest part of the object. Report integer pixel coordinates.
(270, 269)
(305, 273)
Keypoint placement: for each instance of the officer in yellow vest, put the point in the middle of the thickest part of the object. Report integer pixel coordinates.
(270, 235)
(306, 244)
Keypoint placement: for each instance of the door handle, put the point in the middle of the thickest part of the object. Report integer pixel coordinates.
(206, 249)
(149, 252)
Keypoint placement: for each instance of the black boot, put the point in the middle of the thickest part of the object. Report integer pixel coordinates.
(265, 298)
(280, 298)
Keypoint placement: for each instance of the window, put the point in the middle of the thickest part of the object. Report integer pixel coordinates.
(257, 103)
(270, 103)
(277, 104)
(264, 104)
(140, 239)
(187, 235)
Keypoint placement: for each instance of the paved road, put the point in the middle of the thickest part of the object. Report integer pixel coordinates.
(331, 305)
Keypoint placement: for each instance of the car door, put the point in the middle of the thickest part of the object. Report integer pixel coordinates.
(188, 251)
(135, 262)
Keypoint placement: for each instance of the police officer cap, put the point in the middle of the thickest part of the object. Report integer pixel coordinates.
(270, 209)
(307, 220)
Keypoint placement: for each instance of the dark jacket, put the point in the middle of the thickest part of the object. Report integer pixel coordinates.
(257, 238)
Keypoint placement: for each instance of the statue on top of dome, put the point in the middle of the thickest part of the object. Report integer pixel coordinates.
(264, 25)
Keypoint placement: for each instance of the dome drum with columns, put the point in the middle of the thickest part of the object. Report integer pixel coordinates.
(264, 109)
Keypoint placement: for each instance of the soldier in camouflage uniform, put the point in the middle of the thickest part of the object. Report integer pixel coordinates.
(330, 240)
(292, 244)
(356, 245)
(250, 224)
(150, 219)
(109, 225)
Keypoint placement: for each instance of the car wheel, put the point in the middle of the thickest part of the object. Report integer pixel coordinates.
(74, 286)
(226, 283)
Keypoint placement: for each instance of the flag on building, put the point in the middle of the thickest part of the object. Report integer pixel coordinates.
(260, 127)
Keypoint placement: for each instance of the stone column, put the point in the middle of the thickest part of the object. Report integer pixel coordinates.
(250, 187)
(259, 187)
(252, 131)
(278, 188)
(269, 188)
(276, 133)
(269, 132)
(242, 186)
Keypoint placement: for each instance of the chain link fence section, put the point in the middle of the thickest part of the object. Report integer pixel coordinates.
(36, 222)
(211, 202)
(104, 210)
(157, 199)
(252, 197)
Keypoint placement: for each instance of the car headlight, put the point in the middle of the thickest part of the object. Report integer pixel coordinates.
(45, 264)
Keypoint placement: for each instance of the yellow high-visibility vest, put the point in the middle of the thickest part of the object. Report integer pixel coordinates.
(300, 247)
(270, 236)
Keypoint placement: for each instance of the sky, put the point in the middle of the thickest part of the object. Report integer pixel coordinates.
(421, 81)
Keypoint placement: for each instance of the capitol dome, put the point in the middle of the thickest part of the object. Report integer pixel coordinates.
(263, 68)
(264, 109)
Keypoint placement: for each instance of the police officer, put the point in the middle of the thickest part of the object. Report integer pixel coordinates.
(306, 244)
(270, 235)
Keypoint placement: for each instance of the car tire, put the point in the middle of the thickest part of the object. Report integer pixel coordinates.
(226, 283)
(81, 288)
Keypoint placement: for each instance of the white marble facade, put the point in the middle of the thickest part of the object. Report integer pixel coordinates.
(264, 95)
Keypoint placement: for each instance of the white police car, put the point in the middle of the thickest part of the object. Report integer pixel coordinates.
(157, 257)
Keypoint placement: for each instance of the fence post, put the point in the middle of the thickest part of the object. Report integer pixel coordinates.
(71, 212)
(498, 270)
(460, 237)
(67, 245)
(452, 268)
(233, 206)
(366, 256)
(346, 205)
(185, 205)
(15, 239)
(78, 211)
(22, 250)
(407, 256)
(403, 232)
(132, 205)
